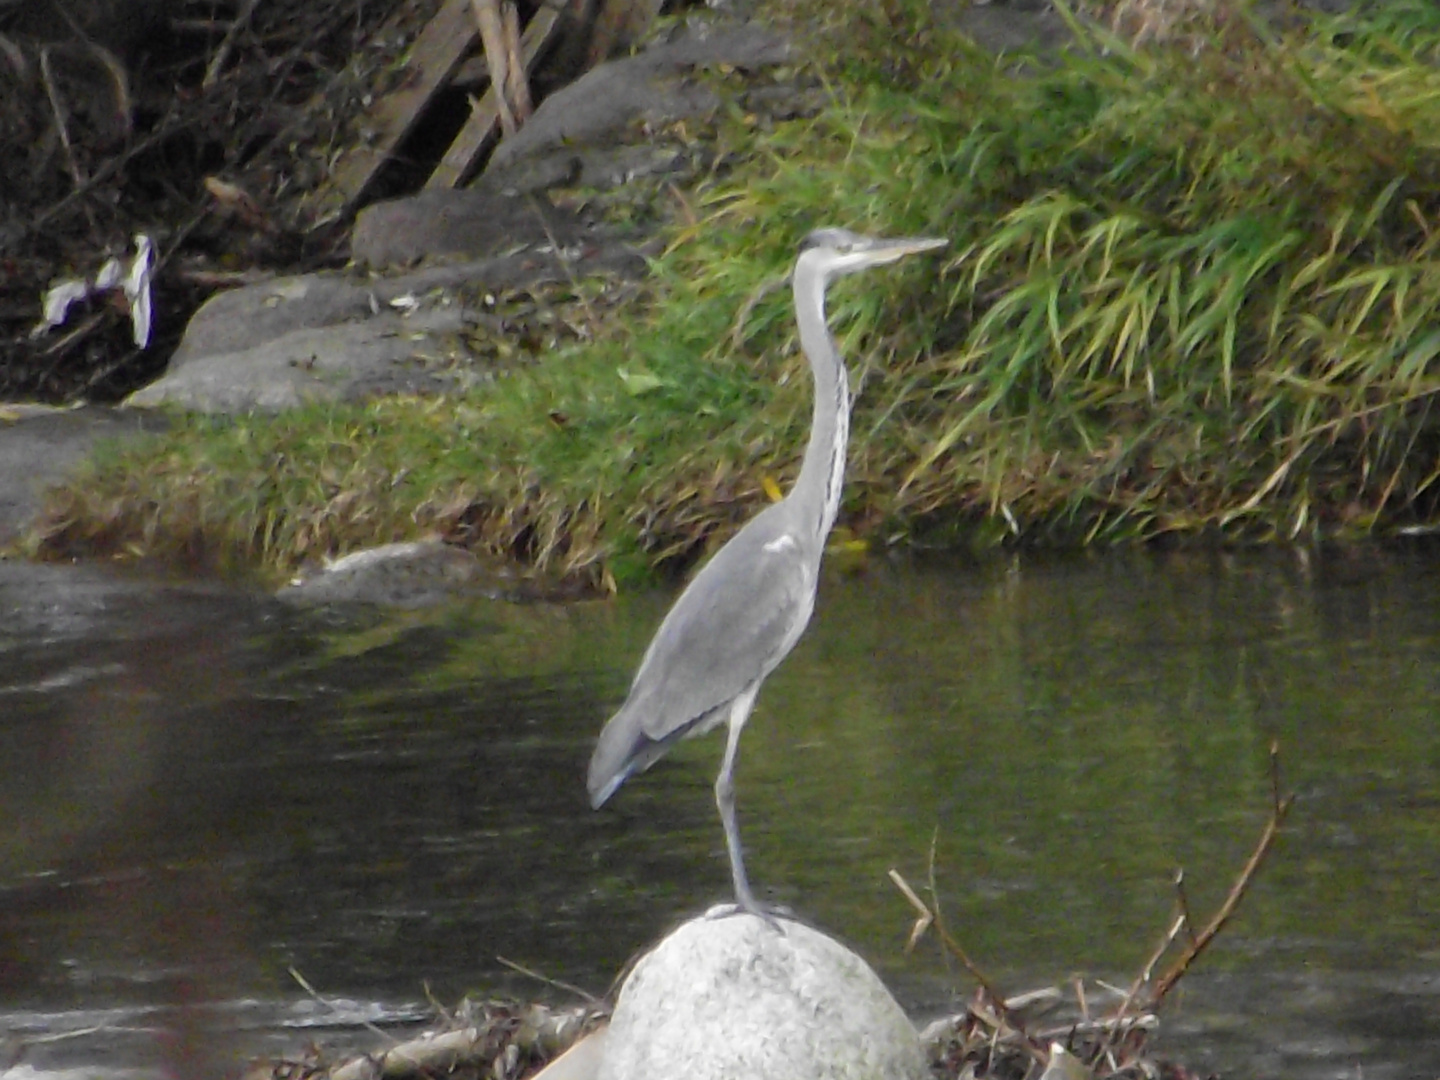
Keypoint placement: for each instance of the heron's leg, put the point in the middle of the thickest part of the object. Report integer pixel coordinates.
(725, 800)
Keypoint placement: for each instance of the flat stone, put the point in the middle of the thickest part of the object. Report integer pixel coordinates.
(729, 997)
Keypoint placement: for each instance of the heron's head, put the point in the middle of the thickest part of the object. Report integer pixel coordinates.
(833, 252)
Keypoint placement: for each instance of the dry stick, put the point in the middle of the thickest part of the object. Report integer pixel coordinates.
(517, 79)
(1148, 969)
(1279, 808)
(69, 338)
(227, 44)
(305, 985)
(1184, 902)
(440, 1010)
(58, 108)
(497, 58)
(954, 946)
(564, 260)
(926, 915)
(589, 998)
(1080, 999)
(124, 99)
(1002, 1012)
(929, 916)
(109, 168)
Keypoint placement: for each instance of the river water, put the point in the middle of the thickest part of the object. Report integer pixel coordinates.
(205, 790)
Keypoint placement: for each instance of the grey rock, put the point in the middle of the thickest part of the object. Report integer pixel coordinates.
(329, 337)
(401, 575)
(731, 997)
(348, 361)
(598, 167)
(611, 97)
(419, 574)
(479, 222)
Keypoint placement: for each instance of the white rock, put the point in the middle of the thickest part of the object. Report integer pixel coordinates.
(733, 998)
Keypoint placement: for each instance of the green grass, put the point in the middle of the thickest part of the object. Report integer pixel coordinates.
(1186, 293)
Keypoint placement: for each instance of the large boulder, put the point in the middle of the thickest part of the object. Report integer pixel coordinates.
(737, 996)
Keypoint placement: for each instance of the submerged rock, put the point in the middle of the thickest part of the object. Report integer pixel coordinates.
(415, 574)
(738, 997)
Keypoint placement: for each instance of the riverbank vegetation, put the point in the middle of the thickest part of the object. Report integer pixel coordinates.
(1191, 289)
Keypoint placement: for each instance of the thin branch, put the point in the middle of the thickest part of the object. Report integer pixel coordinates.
(491, 23)
(588, 997)
(953, 945)
(62, 125)
(227, 44)
(517, 79)
(929, 915)
(1183, 900)
(305, 985)
(1279, 808)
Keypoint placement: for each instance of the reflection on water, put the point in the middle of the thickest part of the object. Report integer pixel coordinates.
(204, 790)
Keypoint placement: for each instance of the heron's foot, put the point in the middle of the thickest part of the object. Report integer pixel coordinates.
(770, 914)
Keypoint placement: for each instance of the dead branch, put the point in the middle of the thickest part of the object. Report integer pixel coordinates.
(489, 1038)
(1280, 806)
(992, 1038)
(989, 997)
(227, 44)
(517, 81)
(497, 57)
(62, 123)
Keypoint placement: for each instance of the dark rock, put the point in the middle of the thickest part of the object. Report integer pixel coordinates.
(477, 223)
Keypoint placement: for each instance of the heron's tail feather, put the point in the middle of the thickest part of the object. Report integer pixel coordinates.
(624, 749)
(618, 754)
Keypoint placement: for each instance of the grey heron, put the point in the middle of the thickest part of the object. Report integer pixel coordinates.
(743, 612)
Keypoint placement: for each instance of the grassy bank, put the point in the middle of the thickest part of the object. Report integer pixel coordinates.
(1188, 291)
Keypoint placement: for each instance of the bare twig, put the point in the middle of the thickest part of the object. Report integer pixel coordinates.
(124, 99)
(930, 916)
(227, 43)
(563, 258)
(953, 945)
(1080, 1001)
(305, 985)
(62, 124)
(1183, 900)
(167, 128)
(924, 916)
(497, 57)
(1280, 806)
(517, 80)
(571, 988)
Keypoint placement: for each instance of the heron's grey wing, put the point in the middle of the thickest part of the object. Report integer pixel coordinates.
(734, 623)
(737, 619)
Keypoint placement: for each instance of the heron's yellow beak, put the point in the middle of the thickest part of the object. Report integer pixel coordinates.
(888, 249)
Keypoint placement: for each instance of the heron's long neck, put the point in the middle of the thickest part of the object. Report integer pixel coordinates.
(823, 472)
